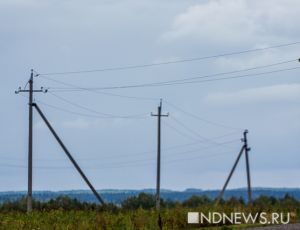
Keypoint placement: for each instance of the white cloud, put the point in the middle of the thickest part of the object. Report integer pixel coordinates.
(237, 21)
(275, 93)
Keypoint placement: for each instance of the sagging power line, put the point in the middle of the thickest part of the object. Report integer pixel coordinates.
(169, 62)
(171, 83)
(197, 117)
(70, 86)
(104, 115)
(169, 151)
(128, 164)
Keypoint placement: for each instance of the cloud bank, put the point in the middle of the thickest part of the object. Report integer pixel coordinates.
(236, 21)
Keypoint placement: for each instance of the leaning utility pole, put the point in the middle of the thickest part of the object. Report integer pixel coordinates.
(246, 149)
(158, 115)
(97, 195)
(30, 91)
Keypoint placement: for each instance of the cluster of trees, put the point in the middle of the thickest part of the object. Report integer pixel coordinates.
(147, 202)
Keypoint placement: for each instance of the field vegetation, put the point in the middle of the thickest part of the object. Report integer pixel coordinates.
(134, 213)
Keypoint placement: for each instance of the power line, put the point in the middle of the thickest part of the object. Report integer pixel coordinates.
(97, 92)
(66, 110)
(234, 71)
(137, 154)
(170, 126)
(94, 111)
(169, 62)
(180, 132)
(216, 144)
(205, 148)
(86, 115)
(80, 106)
(238, 76)
(194, 132)
(138, 116)
(186, 79)
(166, 149)
(160, 84)
(134, 117)
(198, 157)
(202, 119)
(123, 164)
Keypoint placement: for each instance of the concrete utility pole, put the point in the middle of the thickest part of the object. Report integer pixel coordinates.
(230, 175)
(30, 91)
(31, 105)
(158, 115)
(246, 149)
(99, 198)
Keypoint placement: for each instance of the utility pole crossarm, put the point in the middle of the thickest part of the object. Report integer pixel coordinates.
(162, 115)
(42, 90)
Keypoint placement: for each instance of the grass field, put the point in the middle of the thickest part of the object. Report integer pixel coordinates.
(129, 220)
(135, 213)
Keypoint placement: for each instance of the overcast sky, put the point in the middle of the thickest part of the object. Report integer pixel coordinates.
(200, 138)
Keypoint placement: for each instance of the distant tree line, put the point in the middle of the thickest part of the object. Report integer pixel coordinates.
(147, 202)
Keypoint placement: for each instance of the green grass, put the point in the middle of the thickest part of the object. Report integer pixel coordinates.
(89, 220)
(136, 213)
